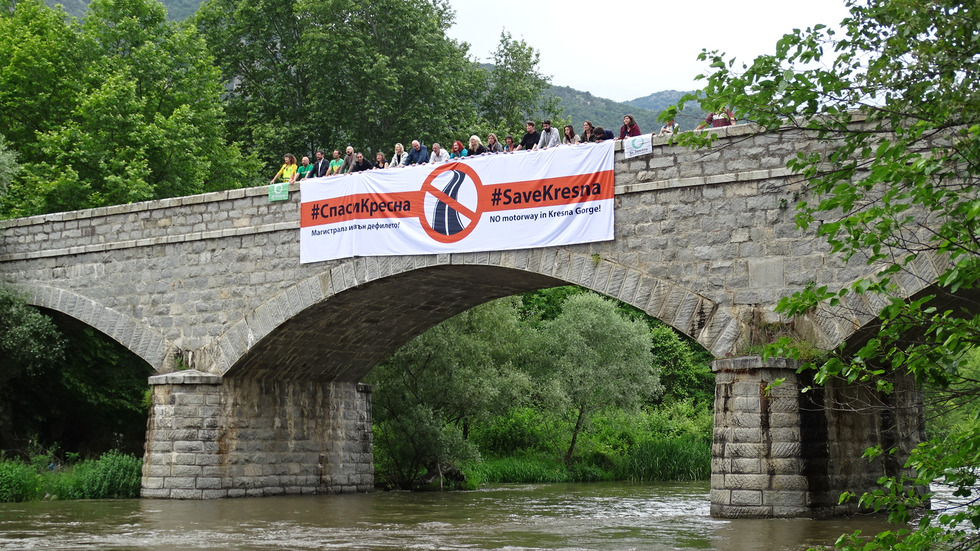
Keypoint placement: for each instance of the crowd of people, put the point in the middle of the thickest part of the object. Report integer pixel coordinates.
(419, 154)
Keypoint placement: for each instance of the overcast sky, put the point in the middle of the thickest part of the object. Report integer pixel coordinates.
(646, 45)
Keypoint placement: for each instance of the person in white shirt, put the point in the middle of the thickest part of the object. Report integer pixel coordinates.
(438, 154)
(549, 136)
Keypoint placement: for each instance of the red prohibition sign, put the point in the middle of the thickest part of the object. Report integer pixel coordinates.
(428, 188)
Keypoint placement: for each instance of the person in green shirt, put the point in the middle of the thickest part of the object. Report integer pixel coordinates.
(336, 163)
(304, 168)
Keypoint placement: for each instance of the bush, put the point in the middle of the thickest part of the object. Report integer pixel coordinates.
(114, 475)
(518, 430)
(18, 481)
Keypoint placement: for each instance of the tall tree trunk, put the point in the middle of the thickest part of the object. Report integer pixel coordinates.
(578, 427)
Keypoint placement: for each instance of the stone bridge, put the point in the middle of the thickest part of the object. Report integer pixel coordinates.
(260, 357)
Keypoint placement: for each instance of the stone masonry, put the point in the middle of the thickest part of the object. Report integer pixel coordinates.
(213, 438)
(781, 452)
(705, 241)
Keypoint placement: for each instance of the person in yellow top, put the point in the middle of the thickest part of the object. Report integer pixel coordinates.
(288, 169)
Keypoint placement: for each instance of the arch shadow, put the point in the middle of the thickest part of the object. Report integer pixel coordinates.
(339, 324)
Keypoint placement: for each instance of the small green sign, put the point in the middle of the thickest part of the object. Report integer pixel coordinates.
(279, 192)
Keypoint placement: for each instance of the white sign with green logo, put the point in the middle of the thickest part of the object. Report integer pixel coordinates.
(279, 191)
(638, 145)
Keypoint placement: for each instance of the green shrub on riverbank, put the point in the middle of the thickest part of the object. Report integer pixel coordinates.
(18, 481)
(667, 443)
(114, 475)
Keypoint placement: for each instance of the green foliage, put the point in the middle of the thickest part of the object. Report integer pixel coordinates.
(524, 469)
(515, 430)
(125, 107)
(514, 88)
(899, 103)
(596, 358)
(114, 475)
(535, 378)
(18, 481)
(686, 458)
(90, 400)
(8, 166)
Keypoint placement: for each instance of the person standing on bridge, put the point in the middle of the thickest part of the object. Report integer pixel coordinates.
(287, 170)
(458, 151)
(717, 119)
(569, 137)
(629, 128)
(476, 146)
(336, 164)
(588, 132)
(669, 128)
(320, 167)
(304, 169)
(418, 155)
(348, 161)
(438, 154)
(493, 146)
(400, 156)
(530, 139)
(549, 136)
(360, 164)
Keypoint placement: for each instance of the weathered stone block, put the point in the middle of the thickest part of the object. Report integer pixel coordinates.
(747, 497)
(747, 481)
(784, 498)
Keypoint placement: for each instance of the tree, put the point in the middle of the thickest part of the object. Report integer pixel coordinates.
(514, 85)
(29, 344)
(597, 358)
(898, 100)
(137, 115)
(429, 392)
(40, 60)
(325, 74)
(8, 166)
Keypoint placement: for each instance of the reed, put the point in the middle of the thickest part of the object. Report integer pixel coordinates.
(677, 459)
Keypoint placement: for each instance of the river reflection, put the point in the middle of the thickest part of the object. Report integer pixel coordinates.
(536, 517)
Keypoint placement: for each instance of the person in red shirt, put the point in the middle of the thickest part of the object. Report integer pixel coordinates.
(629, 128)
(719, 119)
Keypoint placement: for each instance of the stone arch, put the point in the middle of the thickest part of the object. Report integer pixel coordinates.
(364, 307)
(848, 322)
(137, 337)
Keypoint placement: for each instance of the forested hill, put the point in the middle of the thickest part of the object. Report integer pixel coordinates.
(580, 106)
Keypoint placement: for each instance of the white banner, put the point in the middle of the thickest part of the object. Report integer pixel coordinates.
(557, 196)
(638, 145)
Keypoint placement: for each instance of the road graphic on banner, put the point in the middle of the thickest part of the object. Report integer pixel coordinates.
(562, 195)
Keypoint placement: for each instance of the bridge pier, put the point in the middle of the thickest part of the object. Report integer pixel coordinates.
(788, 453)
(214, 437)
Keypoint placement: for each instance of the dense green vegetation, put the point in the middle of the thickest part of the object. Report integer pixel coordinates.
(45, 476)
(909, 69)
(575, 106)
(63, 384)
(559, 384)
(121, 108)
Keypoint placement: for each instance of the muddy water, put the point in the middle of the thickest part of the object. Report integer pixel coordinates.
(547, 516)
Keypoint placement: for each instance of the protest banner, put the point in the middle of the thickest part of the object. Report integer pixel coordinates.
(557, 196)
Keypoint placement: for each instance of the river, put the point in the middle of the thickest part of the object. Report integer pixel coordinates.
(602, 516)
